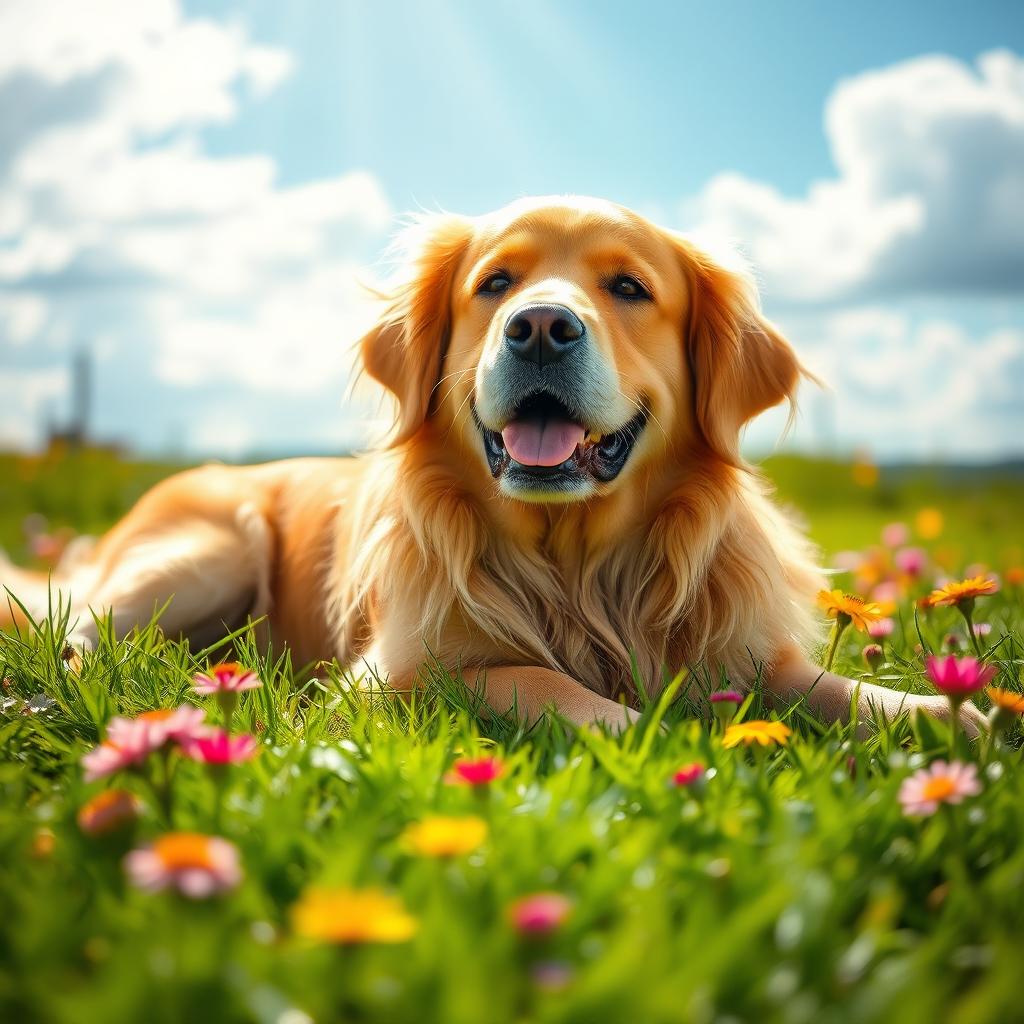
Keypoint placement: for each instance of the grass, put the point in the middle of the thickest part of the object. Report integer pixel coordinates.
(788, 886)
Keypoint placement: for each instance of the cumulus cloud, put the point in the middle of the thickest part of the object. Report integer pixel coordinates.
(904, 385)
(114, 217)
(928, 195)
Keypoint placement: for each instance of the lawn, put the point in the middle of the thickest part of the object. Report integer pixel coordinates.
(367, 880)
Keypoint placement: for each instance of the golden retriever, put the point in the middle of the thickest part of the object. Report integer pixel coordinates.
(562, 507)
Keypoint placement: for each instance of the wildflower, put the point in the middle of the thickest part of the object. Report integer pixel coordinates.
(959, 593)
(109, 811)
(1015, 576)
(956, 677)
(226, 681)
(873, 656)
(1006, 699)
(941, 783)
(540, 913)
(131, 740)
(228, 677)
(217, 747)
(440, 836)
(951, 643)
(895, 534)
(196, 865)
(845, 609)
(725, 703)
(928, 523)
(982, 629)
(1007, 707)
(43, 844)
(352, 916)
(910, 561)
(688, 774)
(762, 733)
(881, 629)
(475, 771)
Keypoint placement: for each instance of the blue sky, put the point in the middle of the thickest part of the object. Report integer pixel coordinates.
(192, 190)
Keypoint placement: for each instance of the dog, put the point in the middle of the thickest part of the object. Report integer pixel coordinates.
(561, 512)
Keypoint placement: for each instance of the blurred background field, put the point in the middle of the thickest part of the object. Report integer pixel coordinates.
(965, 514)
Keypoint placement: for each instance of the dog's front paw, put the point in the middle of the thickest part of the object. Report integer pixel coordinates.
(972, 721)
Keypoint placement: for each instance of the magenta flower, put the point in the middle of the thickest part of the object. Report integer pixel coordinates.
(215, 746)
(881, 629)
(911, 561)
(941, 783)
(688, 774)
(982, 629)
(478, 771)
(194, 864)
(131, 740)
(228, 677)
(957, 677)
(540, 913)
(731, 696)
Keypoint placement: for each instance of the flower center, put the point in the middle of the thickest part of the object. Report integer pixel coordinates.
(155, 716)
(939, 789)
(182, 850)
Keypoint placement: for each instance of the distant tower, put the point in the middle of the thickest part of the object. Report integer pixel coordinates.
(81, 398)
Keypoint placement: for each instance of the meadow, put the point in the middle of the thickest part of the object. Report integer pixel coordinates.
(375, 860)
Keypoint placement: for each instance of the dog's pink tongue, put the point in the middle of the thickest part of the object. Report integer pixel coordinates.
(542, 442)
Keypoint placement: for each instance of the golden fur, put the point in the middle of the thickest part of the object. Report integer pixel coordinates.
(413, 551)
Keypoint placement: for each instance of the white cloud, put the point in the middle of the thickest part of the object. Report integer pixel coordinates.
(929, 192)
(902, 385)
(25, 398)
(207, 265)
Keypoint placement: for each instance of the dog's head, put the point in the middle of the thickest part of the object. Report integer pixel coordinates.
(563, 344)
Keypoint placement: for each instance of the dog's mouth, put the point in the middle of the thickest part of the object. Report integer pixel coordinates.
(545, 446)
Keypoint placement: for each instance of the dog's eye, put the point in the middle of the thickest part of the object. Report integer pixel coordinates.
(627, 287)
(494, 284)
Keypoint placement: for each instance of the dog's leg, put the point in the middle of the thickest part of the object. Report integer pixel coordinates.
(530, 689)
(831, 695)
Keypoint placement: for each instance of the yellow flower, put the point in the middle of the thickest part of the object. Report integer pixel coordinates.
(928, 523)
(965, 590)
(445, 837)
(1006, 700)
(762, 733)
(352, 916)
(835, 604)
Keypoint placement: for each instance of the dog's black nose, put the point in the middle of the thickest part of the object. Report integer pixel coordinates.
(543, 333)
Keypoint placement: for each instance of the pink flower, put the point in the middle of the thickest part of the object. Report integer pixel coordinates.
(957, 677)
(228, 677)
(881, 629)
(688, 774)
(477, 771)
(911, 561)
(540, 913)
(194, 864)
(131, 740)
(214, 746)
(895, 534)
(982, 629)
(728, 696)
(939, 784)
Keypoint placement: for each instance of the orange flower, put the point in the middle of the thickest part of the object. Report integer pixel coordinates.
(439, 836)
(1015, 575)
(1006, 700)
(109, 811)
(762, 733)
(837, 605)
(352, 916)
(965, 590)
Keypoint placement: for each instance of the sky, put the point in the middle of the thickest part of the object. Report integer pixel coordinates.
(194, 192)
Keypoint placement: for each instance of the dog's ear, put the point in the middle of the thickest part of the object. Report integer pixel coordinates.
(405, 349)
(739, 362)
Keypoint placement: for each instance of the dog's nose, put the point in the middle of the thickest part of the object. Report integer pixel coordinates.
(543, 333)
